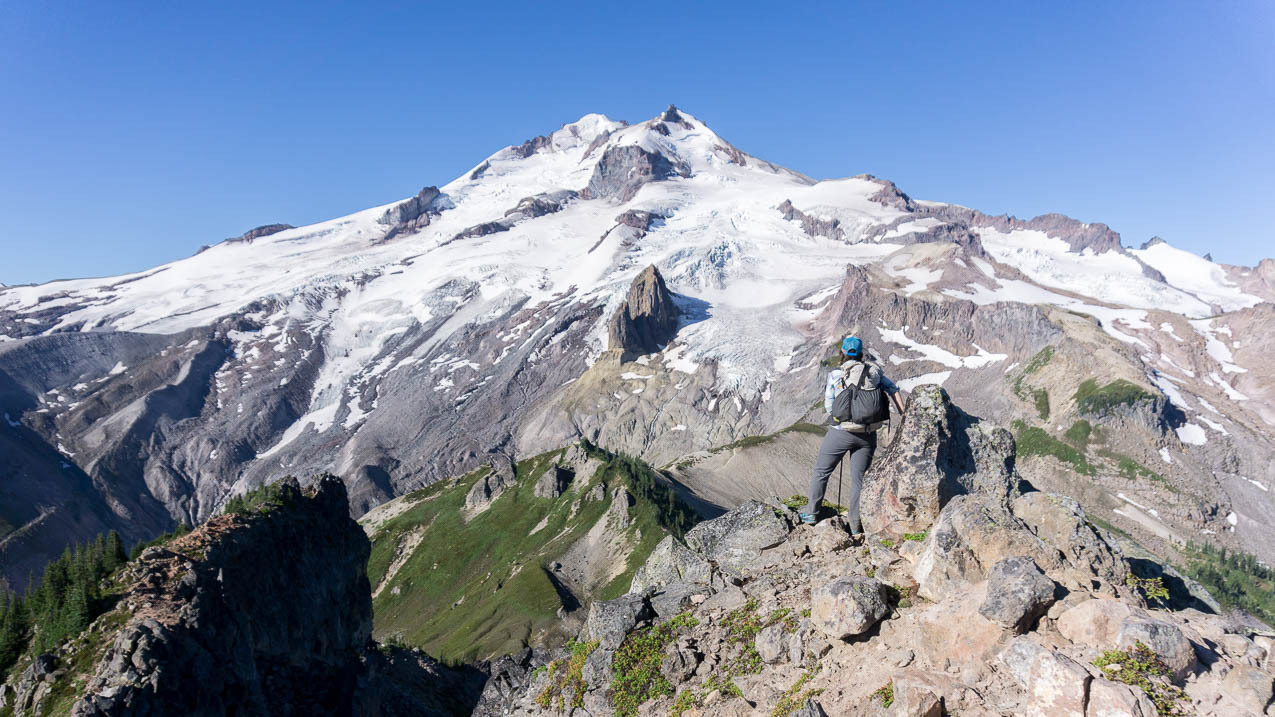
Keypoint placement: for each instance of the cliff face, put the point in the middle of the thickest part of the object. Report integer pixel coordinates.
(647, 320)
(251, 615)
(264, 612)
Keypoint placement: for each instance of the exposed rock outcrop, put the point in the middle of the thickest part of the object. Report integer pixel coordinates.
(412, 214)
(813, 226)
(264, 613)
(1017, 594)
(541, 204)
(740, 536)
(531, 146)
(647, 319)
(990, 610)
(499, 476)
(552, 482)
(623, 170)
(264, 230)
(940, 452)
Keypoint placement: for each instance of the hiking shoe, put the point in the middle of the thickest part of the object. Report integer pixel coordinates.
(807, 518)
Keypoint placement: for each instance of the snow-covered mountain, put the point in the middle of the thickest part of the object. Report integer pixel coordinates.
(409, 341)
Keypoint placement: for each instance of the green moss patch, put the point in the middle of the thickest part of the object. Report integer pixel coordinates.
(1101, 400)
(1038, 397)
(1130, 469)
(1079, 433)
(1033, 441)
(566, 676)
(1039, 360)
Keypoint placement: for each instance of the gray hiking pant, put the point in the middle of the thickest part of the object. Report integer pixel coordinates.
(836, 444)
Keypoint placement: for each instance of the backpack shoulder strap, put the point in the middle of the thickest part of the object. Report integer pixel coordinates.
(863, 374)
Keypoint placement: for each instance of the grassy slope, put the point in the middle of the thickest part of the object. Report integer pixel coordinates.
(493, 562)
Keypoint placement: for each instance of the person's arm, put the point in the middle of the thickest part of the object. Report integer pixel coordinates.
(892, 389)
(898, 402)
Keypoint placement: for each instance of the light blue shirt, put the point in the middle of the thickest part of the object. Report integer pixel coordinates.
(830, 391)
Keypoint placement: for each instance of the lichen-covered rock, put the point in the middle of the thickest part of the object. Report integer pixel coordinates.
(489, 486)
(1106, 624)
(551, 483)
(939, 452)
(1164, 638)
(771, 643)
(681, 660)
(647, 319)
(1061, 522)
(1018, 593)
(671, 562)
(848, 606)
(1055, 684)
(669, 600)
(737, 538)
(973, 533)
(610, 620)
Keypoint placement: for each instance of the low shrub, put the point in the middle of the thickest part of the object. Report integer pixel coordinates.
(1033, 441)
(1100, 400)
(1140, 667)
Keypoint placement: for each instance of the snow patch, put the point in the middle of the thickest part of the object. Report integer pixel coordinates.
(929, 352)
(1216, 348)
(1191, 434)
(908, 384)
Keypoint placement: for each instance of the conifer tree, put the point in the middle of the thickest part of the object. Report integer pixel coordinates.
(113, 554)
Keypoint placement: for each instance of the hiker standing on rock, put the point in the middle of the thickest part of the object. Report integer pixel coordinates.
(855, 400)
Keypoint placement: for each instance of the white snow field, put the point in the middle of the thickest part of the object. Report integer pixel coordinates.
(721, 240)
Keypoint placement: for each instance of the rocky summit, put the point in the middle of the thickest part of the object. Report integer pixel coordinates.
(1002, 601)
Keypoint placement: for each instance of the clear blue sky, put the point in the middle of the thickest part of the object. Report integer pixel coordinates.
(131, 133)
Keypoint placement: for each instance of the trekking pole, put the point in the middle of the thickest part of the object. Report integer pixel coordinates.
(841, 471)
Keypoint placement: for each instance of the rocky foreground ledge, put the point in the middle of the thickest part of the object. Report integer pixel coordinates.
(971, 595)
(263, 612)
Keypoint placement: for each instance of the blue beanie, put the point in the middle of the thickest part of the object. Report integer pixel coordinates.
(852, 346)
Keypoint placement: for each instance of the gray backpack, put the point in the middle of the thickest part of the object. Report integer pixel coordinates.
(860, 403)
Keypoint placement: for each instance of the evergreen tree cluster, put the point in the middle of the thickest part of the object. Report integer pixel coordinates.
(673, 514)
(67, 598)
(1236, 579)
(263, 498)
(177, 532)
